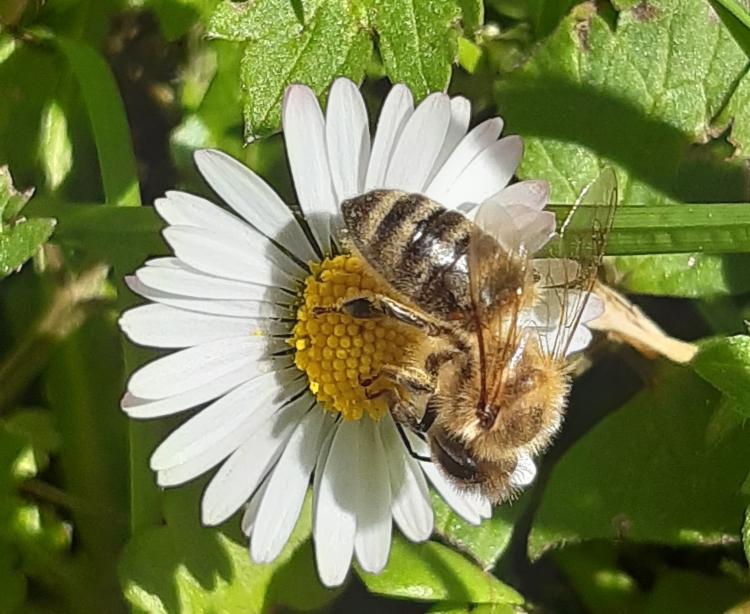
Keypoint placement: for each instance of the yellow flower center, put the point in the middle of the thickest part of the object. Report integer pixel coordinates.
(337, 352)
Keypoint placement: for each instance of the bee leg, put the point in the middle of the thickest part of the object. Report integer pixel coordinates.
(403, 412)
(414, 380)
(430, 413)
(380, 306)
(407, 443)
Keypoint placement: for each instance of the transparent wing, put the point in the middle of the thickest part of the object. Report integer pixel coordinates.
(499, 272)
(567, 277)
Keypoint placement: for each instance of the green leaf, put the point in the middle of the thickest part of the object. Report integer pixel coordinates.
(326, 40)
(37, 427)
(647, 113)
(183, 567)
(644, 472)
(108, 121)
(472, 16)
(55, 149)
(19, 238)
(736, 18)
(433, 572)
(724, 362)
(84, 385)
(176, 17)
(689, 591)
(683, 275)
(486, 542)
(593, 571)
(746, 534)
(21, 241)
(11, 200)
(418, 42)
(121, 236)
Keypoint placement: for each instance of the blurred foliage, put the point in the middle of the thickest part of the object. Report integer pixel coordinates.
(642, 504)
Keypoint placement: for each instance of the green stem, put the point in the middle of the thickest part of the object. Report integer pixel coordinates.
(681, 228)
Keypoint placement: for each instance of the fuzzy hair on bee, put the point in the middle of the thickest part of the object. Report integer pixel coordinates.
(486, 386)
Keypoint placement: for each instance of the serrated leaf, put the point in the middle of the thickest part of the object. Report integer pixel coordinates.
(644, 472)
(11, 200)
(321, 42)
(486, 542)
(183, 567)
(418, 40)
(433, 572)
(643, 97)
(20, 242)
(724, 362)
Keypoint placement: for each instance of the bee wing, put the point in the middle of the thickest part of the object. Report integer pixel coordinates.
(568, 276)
(499, 270)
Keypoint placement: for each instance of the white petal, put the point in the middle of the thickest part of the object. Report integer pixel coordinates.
(184, 280)
(158, 325)
(372, 543)
(251, 510)
(525, 471)
(241, 473)
(419, 145)
(225, 424)
(304, 134)
(478, 139)
(462, 504)
(204, 460)
(486, 174)
(334, 523)
(594, 308)
(287, 487)
(535, 228)
(459, 124)
(531, 193)
(255, 262)
(242, 309)
(347, 138)
(579, 340)
(397, 108)
(412, 509)
(147, 408)
(196, 366)
(254, 200)
(183, 209)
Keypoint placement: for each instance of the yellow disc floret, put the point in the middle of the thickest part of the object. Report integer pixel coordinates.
(337, 352)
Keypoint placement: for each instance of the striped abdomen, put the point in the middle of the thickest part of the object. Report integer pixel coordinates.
(416, 245)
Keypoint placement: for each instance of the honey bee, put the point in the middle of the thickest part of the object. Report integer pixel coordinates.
(487, 385)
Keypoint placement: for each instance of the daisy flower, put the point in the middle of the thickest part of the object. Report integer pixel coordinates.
(278, 386)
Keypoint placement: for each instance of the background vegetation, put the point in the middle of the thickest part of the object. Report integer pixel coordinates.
(640, 504)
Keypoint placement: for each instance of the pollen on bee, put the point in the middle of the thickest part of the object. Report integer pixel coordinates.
(338, 352)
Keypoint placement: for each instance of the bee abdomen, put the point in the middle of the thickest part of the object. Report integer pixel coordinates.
(417, 245)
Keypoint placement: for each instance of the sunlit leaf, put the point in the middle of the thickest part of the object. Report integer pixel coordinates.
(646, 113)
(724, 362)
(183, 567)
(433, 572)
(418, 42)
(644, 472)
